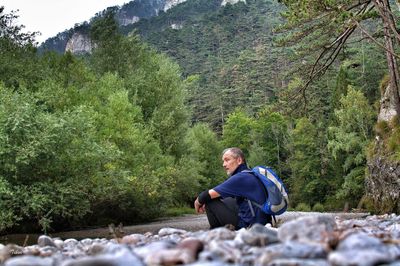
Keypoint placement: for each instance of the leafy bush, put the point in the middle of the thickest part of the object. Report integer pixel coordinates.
(303, 207)
(318, 207)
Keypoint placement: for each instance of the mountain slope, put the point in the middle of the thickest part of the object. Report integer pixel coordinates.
(228, 47)
(127, 14)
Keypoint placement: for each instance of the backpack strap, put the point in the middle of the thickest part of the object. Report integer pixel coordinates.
(251, 207)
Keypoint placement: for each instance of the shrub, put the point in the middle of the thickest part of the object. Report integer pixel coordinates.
(303, 207)
(318, 207)
(382, 128)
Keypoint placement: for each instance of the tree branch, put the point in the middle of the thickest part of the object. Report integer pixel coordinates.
(375, 40)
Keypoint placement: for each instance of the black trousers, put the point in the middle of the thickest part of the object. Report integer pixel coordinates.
(221, 212)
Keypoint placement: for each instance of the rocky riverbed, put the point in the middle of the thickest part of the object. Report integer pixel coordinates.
(319, 239)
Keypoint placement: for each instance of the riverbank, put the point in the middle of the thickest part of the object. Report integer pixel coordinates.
(316, 239)
(189, 222)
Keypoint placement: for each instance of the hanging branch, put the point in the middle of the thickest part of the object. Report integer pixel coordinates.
(331, 52)
(369, 36)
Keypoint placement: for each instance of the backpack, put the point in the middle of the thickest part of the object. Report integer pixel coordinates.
(277, 200)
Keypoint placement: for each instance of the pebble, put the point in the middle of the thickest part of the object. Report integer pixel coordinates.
(44, 241)
(307, 241)
(314, 229)
(259, 235)
(29, 261)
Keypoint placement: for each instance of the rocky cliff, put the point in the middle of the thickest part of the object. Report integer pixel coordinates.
(171, 3)
(76, 40)
(232, 2)
(127, 15)
(79, 43)
(383, 178)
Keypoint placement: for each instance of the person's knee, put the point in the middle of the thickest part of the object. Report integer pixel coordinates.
(211, 205)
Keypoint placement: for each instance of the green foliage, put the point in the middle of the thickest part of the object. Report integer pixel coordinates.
(230, 48)
(305, 183)
(303, 207)
(318, 207)
(153, 81)
(203, 147)
(393, 143)
(83, 144)
(237, 130)
(8, 213)
(350, 138)
(382, 128)
(383, 85)
(271, 133)
(106, 137)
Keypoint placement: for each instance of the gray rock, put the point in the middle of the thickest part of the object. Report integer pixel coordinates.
(170, 257)
(122, 258)
(86, 241)
(70, 243)
(59, 243)
(220, 233)
(29, 261)
(208, 256)
(170, 231)
(225, 250)
(194, 246)
(258, 235)
(364, 257)
(44, 241)
(359, 240)
(95, 249)
(154, 247)
(298, 262)
(133, 239)
(291, 249)
(210, 263)
(314, 229)
(32, 250)
(47, 251)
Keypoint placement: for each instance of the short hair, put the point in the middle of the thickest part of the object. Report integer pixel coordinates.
(236, 152)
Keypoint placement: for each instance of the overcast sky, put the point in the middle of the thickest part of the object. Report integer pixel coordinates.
(53, 16)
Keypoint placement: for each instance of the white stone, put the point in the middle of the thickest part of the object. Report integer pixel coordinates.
(232, 2)
(79, 44)
(172, 3)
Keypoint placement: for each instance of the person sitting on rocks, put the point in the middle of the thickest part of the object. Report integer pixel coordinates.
(229, 203)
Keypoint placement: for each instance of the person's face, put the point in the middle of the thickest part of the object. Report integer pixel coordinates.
(230, 163)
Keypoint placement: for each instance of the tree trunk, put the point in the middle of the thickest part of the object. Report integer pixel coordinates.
(390, 103)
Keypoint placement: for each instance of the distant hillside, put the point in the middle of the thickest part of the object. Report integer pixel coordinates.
(231, 50)
(228, 47)
(127, 14)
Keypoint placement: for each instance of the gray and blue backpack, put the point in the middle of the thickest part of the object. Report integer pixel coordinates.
(277, 197)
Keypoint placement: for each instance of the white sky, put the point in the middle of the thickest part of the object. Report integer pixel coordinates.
(53, 16)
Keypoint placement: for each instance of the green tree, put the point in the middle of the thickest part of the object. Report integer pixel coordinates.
(269, 133)
(18, 60)
(350, 138)
(315, 22)
(237, 131)
(306, 182)
(204, 147)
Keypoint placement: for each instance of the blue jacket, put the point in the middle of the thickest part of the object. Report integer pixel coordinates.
(242, 186)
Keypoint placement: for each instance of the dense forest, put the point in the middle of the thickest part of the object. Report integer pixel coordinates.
(137, 127)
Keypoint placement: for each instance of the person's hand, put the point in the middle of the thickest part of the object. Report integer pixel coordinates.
(200, 208)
